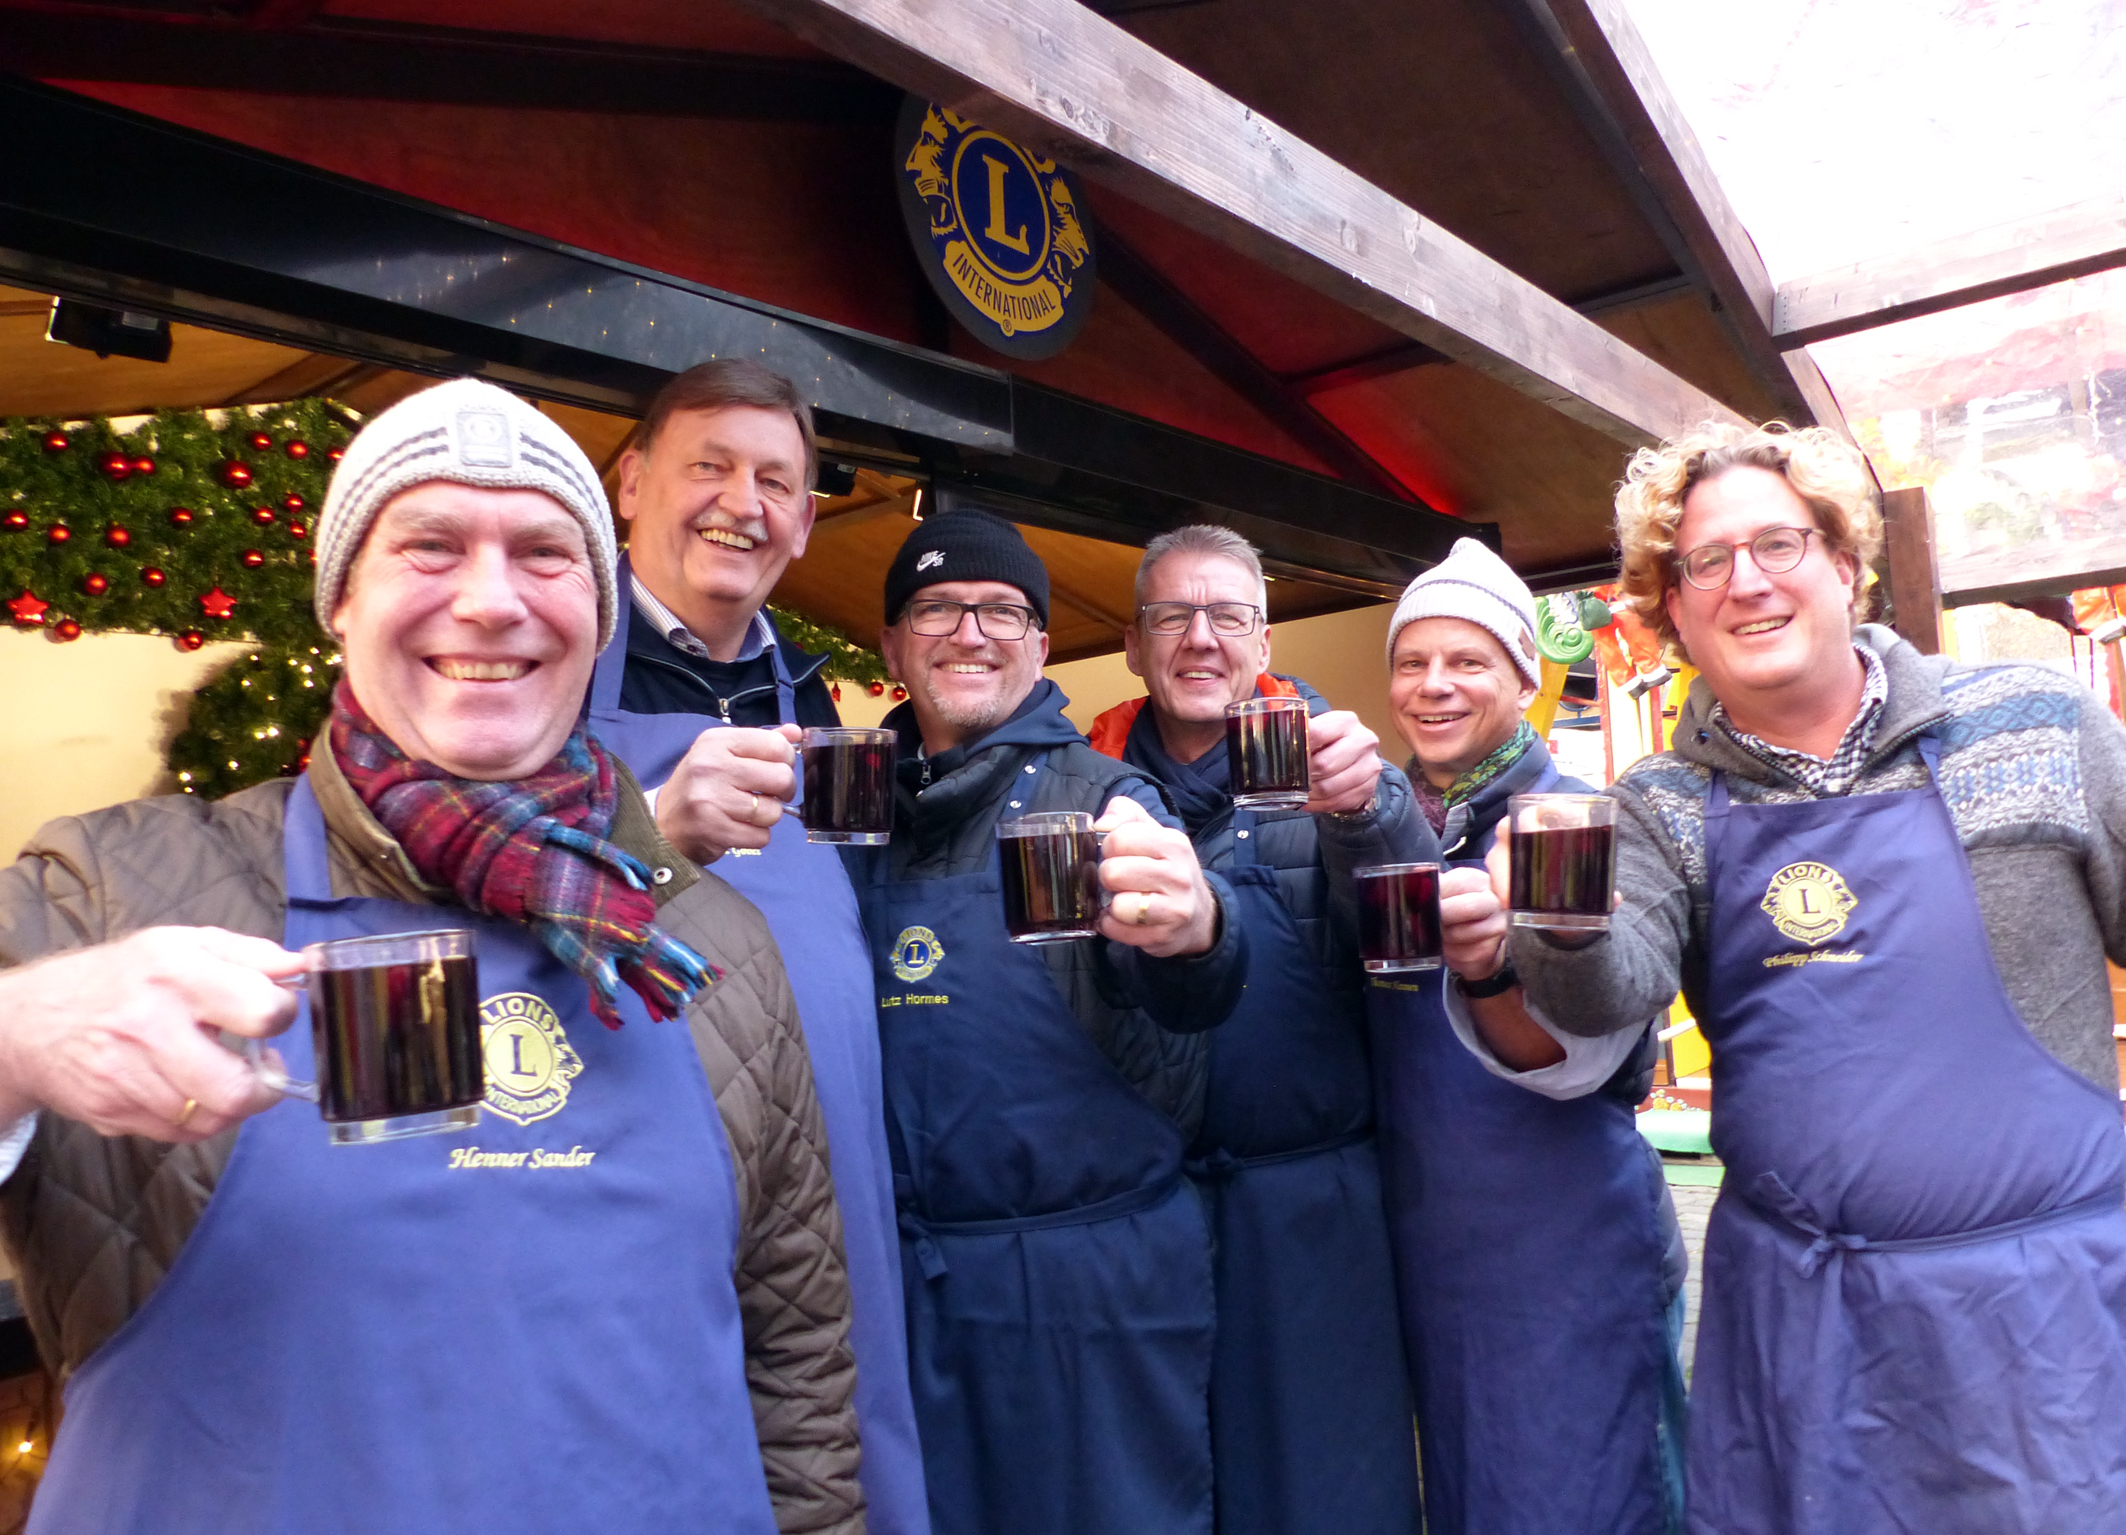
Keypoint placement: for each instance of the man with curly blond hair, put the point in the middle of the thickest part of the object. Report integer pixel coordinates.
(1886, 883)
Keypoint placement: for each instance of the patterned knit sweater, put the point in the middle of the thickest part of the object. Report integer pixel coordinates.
(2033, 768)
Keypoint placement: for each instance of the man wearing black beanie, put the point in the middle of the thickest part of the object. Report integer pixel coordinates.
(1038, 1098)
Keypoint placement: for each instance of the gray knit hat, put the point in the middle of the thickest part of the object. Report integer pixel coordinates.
(1475, 585)
(471, 433)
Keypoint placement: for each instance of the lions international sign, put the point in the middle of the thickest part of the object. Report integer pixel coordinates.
(997, 231)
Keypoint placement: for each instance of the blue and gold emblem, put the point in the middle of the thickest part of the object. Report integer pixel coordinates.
(997, 231)
(916, 953)
(1808, 902)
(530, 1062)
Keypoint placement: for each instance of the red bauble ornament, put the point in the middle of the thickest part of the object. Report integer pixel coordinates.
(334, 453)
(253, 559)
(66, 629)
(298, 530)
(191, 639)
(899, 693)
(878, 690)
(143, 465)
(15, 522)
(95, 585)
(114, 466)
(180, 516)
(26, 610)
(117, 538)
(297, 448)
(152, 577)
(233, 474)
(57, 442)
(217, 604)
(293, 502)
(259, 441)
(262, 515)
(59, 533)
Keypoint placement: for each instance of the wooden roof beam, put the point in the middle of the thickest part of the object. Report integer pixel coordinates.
(1063, 81)
(1609, 75)
(1987, 263)
(1147, 290)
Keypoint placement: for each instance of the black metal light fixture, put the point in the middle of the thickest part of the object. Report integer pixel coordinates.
(109, 332)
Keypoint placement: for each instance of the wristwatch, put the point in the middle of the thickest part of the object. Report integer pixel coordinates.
(1505, 980)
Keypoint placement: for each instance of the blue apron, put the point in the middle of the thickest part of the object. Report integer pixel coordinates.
(803, 891)
(1059, 1271)
(528, 1329)
(1310, 1409)
(1528, 1246)
(1915, 1277)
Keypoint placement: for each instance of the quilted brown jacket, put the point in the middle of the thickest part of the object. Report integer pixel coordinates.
(94, 1223)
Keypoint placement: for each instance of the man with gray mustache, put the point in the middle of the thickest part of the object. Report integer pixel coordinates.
(704, 700)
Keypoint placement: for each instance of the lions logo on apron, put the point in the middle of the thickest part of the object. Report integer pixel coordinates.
(530, 1062)
(1808, 902)
(916, 953)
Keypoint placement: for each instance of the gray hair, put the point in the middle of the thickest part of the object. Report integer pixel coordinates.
(1204, 538)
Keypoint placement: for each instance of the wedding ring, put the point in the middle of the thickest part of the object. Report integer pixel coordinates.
(753, 810)
(185, 1113)
(1144, 909)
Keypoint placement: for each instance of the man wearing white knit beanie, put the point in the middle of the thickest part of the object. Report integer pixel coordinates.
(1509, 1156)
(606, 1200)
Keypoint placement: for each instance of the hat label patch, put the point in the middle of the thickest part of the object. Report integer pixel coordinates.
(483, 440)
(930, 560)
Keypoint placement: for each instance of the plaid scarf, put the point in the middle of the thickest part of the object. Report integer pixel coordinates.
(532, 851)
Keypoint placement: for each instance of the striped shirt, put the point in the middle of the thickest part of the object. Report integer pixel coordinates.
(1832, 775)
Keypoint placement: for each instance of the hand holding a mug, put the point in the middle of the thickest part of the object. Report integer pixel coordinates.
(120, 1036)
(1472, 923)
(1343, 763)
(1158, 901)
(729, 790)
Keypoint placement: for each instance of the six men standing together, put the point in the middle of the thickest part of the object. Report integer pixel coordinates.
(1175, 1229)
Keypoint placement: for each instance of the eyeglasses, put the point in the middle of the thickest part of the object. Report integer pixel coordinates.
(1776, 551)
(934, 618)
(1229, 620)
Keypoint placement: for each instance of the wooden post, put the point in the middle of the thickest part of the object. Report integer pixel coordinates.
(1915, 577)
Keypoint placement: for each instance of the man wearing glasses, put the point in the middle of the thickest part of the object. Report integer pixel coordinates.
(1039, 1098)
(1310, 1412)
(1887, 884)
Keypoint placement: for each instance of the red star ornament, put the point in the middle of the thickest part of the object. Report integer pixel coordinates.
(27, 610)
(217, 604)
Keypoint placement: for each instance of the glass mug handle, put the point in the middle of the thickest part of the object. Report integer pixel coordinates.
(267, 1069)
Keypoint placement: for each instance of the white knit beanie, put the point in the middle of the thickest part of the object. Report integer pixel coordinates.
(471, 433)
(1474, 584)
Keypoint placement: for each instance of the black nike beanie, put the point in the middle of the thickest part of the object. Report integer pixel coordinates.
(965, 546)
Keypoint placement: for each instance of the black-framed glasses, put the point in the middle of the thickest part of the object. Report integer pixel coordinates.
(1776, 551)
(1229, 620)
(934, 618)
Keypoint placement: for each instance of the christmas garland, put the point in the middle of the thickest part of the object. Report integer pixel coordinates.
(197, 525)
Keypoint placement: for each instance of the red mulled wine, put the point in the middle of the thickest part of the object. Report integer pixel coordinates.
(1266, 750)
(1563, 876)
(849, 786)
(398, 1043)
(1051, 868)
(1398, 917)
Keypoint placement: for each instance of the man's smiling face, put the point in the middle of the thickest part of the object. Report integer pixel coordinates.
(1457, 697)
(470, 623)
(963, 683)
(1192, 676)
(718, 505)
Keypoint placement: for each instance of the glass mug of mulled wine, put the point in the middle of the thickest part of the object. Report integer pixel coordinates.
(1051, 869)
(848, 785)
(1266, 748)
(395, 1025)
(1398, 917)
(1562, 851)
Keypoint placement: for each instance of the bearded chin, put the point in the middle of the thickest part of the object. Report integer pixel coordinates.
(966, 714)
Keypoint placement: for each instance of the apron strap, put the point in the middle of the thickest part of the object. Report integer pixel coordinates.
(306, 865)
(612, 661)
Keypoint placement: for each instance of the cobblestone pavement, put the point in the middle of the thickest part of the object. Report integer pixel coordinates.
(1693, 1207)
